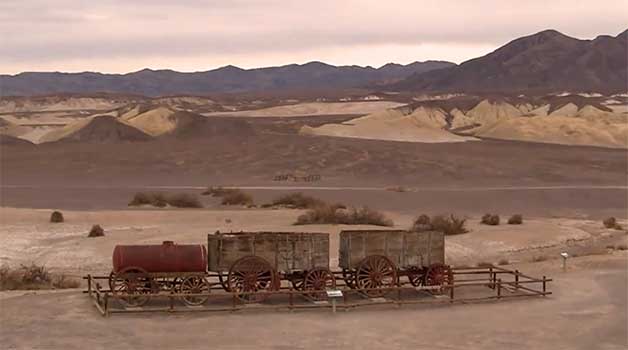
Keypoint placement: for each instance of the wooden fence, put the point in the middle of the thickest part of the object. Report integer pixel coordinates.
(469, 285)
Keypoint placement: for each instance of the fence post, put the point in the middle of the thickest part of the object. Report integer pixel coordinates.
(89, 285)
(544, 286)
(517, 279)
(499, 288)
(451, 293)
(491, 277)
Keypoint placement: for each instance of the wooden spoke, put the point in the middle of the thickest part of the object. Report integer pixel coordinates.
(438, 275)
(132, 286)
(319, 280)
(194, 285)
(376, 271)
(251, 274)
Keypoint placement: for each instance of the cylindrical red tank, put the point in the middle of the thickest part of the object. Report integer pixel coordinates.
(166, 257)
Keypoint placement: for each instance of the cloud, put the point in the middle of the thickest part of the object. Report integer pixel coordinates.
(38, 33)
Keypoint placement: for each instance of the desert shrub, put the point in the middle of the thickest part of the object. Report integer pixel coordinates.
(335, 214)
(297, 200)
(539, 258)
(237, 197)
(148, 198)
(56, 217)
(503, 262)
(422, 223)
(516, 219)
(96, 231)
(160, 200)
(484, 264)
(182, 200)
(33, 277)
(621, 247)
(490, 219)
(611, 222)
(449, 225)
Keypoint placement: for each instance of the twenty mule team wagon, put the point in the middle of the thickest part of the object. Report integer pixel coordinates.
(249, 264)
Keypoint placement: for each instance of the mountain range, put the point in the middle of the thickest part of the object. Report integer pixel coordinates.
(547, 61)
(544, 62)
(228, 79)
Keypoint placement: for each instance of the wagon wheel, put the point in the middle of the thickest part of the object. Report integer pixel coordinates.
(297, 279)
(251, 274)
(133, 290)
(438, 275)
(348, 276)
(416, 276)
(319, 280)
(376, 271)
(194, 285)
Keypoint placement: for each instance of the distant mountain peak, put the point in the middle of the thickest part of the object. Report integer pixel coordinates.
(545, 61)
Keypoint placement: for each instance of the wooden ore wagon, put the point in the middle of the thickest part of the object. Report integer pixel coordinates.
(376, 259)
(249, 262)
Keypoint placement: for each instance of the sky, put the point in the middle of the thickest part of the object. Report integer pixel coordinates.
(119, 36)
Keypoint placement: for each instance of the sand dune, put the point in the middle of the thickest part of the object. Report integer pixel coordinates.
(565, 123)
(154, 122)
(102, 128)
(561, 130)
(422, 125)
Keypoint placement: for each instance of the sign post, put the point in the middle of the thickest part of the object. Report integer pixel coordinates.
(334, 294)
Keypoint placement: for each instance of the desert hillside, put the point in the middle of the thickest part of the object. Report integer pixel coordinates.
(565, 119)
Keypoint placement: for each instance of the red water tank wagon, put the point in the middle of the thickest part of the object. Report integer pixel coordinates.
(166, 257)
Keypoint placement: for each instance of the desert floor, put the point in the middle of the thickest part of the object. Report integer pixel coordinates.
(586, 311)
(563, 193)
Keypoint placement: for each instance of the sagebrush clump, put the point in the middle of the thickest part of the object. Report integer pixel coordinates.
(33, 277)
(56, 217)
(516, 219)
(448, 224)
(611, 222)
(336, 214)
(490, 219)
(237, 197)
(96, 231)
(296, 200)
(160, 200)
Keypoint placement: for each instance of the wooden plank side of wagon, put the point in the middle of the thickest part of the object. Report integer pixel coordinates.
(424, 248)
(285, 251)
(355, 245)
